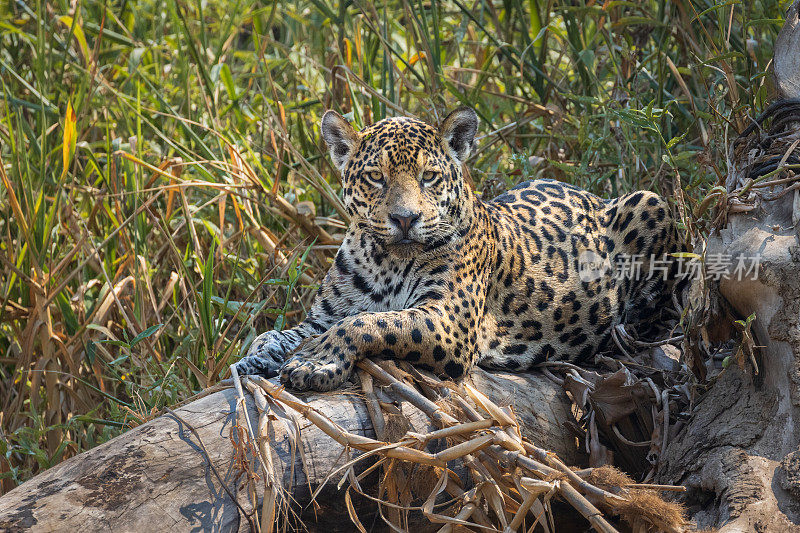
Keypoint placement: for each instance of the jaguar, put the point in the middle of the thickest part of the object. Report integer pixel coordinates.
(430, 273)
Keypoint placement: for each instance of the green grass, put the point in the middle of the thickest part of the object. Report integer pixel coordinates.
(159, 159)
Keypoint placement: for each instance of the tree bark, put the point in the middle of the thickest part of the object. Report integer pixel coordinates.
(156, 476)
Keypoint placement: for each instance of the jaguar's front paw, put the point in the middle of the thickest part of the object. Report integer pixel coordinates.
(264, 358)
(316, 372)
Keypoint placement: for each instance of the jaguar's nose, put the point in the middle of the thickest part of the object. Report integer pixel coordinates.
(404, 221)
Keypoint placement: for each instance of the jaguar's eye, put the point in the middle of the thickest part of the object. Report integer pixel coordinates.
(375, 177)
(429, 177)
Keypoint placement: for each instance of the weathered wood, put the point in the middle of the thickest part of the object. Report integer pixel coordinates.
(730, 452)
(155, 476)
(738, 454)
(786, 59)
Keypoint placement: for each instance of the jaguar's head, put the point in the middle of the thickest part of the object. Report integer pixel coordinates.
(402, 179)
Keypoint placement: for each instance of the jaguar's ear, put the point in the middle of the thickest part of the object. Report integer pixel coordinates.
(340, 137)
(458, 132)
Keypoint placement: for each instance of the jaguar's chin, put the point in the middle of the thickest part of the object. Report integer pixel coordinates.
(399, 241)
(405, 247)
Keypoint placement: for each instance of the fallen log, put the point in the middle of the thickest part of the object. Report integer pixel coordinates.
(180, 471)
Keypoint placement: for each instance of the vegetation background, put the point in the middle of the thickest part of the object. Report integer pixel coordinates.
(165, 194)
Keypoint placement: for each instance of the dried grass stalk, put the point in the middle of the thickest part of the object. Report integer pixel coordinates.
(512, 480)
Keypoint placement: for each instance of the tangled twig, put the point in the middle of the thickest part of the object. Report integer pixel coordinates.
(512, 480)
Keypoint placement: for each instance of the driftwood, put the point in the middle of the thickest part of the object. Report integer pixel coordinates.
(160, 475)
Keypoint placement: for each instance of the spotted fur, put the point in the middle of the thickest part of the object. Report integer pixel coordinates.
(430, 273)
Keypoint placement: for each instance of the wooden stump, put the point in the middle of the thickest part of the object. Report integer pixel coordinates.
(739, 454)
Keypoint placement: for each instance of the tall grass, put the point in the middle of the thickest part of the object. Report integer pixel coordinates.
(165, 194)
